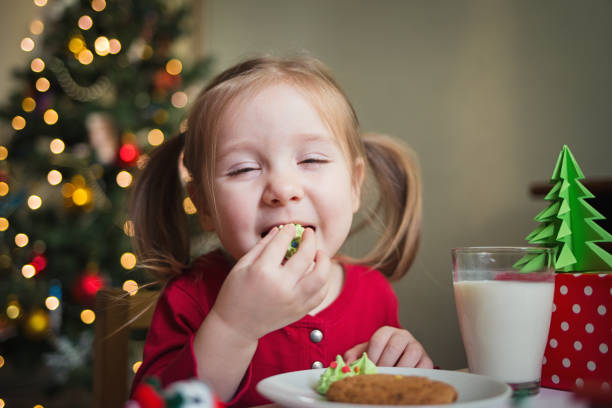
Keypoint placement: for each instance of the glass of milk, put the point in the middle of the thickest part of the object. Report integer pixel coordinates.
(504, 304)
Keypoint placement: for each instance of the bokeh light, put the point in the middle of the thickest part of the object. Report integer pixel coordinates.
(37, 27)
(128, 260)
(34, 202)
(37, 65)
(18, 122)
(21, 240)
(85, 57)
(128, 228)
(124, 179)
(174, 67)
(42, 84)
(3, 153)
(4, 188)
(50, 117)
(54, 177)
(114, 46)
(155, 137)
(40, 3)
(27, 44)
(85, 22)
(52, 302)
(102, 45)
(28, 104)
(130, 286)
(57, 146)
(28, 271)
(98, 5)
(136, 366)
(189, 207)
(4, 223)
(179, 99)
(88, 316)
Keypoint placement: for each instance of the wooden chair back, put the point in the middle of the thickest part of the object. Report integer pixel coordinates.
(116, 315)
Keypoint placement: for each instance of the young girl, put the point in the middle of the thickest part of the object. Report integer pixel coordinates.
(272, 142)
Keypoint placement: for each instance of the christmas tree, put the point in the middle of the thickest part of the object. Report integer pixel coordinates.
(105, 84)
(568, 223)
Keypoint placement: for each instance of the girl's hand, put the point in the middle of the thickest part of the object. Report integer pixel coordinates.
(391, 347)
(263, 293)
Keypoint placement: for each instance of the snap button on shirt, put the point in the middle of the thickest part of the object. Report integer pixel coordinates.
(316, 336)
(317, 364)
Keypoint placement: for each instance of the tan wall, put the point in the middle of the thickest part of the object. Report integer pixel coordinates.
(486, 92)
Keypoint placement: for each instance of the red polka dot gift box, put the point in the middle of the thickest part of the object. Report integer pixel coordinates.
(578, 354)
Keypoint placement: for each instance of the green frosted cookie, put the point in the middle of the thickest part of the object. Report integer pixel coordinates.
(295, 243)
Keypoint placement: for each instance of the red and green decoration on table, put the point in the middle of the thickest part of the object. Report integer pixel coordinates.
(568, 224)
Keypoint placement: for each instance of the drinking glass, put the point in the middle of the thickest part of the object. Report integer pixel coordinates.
(504, 298)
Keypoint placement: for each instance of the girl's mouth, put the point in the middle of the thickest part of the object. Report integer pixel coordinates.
(263, 234)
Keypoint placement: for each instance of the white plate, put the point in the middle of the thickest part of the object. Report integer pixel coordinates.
(296, 389)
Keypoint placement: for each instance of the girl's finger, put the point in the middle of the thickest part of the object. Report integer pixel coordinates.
(425, 362)
(395, 347)
(378, 342)
(274, 252)
(316, 277)
(355, 352)
(411, 356)
(254, 252)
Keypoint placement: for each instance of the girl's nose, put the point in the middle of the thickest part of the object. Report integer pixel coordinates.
(281, 189)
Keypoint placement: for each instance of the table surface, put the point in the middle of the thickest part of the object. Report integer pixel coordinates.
(546, 398)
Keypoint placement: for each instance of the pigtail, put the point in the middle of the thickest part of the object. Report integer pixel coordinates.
(396, 170)
(161, 229)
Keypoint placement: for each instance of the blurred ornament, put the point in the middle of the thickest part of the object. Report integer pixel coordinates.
(68, 355)
(39, 262)
(190, 393)
(128, 153)
(36, 324)
(87, 285)
(164, 81)
(103, 136)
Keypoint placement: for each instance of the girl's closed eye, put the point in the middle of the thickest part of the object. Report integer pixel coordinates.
(241, 170)
(312, 161)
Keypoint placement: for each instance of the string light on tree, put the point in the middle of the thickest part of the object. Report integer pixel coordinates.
(4, 188)
(179, 99)
(128, 153)
(54, 177)
(114, 46)
(155, 137)
(174, 66)
(128, 260)
(130, 286)
(40, 3)
(52, 303)
(37, 65)
(128, 228)
(85, 22)
(3, 153)
(42, 84)
(13, 308)
(50, 117)
(57, 146)
(136, 366)
(21, 240)
(98, 5)
(85, 57)
(34, 202)
(18, 122)
(124, 179)
(37, 27)
(37, 324)
(28, 271)
(102, 46)
(88, 316)
(4, 224)
(28, 104)
(27, 44)
(189, 207)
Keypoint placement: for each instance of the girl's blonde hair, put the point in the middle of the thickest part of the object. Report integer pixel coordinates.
(161, 228)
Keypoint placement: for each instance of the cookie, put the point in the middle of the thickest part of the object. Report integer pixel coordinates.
(389, 389)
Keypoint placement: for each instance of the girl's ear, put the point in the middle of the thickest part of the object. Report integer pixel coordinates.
(358, 176)
(206, 220)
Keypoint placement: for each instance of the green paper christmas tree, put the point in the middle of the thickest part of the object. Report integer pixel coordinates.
(568, 224)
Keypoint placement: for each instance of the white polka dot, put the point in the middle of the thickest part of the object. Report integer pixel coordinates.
(555, 378)
(553, 343)
(578, 345)
(576, 308)
(566, 362)
(564, 326)
(601, 309)
(576, 274)
(591, 366)
(563, 290)
(588, 290)
(554, 308)
(579, 382)
(602, 275)
(544, 360)
(589, 328)
(603, 348)
(610, 290)
(605, 387)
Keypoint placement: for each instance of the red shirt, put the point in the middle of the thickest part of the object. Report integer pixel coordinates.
(366, 303)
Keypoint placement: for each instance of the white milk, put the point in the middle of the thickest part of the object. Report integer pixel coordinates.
(504, 325)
